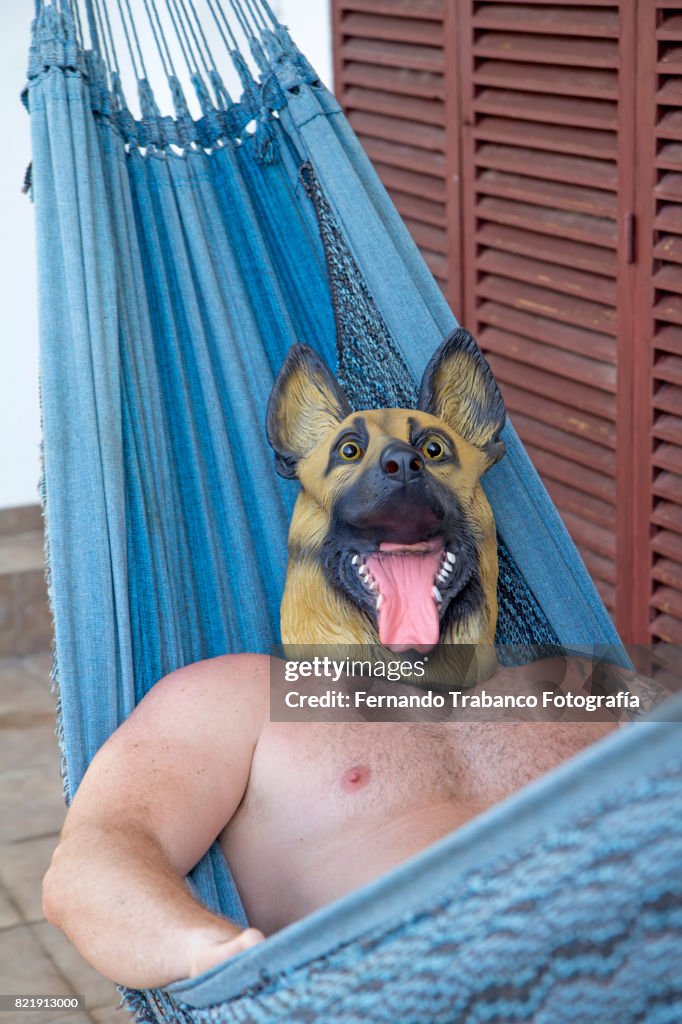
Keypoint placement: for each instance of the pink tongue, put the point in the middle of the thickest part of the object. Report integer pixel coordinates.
(408, 617)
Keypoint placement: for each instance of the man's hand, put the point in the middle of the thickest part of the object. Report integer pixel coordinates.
(206, 950)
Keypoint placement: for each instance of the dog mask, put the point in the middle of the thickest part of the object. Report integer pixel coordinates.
(392, 539)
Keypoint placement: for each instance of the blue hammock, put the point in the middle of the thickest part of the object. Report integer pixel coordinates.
(179, 258)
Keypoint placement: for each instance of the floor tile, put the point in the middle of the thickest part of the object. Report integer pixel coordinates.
(21, 552)
(8, 616)
(9, 914)
(22, 867)
(40, 666)
(21, 519)
(33, 626)
(84, 979)
(32, 804)
(21, 691)
(26, 970)
(28, 741)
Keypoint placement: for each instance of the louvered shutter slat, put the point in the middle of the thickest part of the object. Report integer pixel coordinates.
(423, 9)
(546, 49)
(588, 21)
(573, 339)
(562, 81)
(558, 109)
(401, 81)
(546, 193)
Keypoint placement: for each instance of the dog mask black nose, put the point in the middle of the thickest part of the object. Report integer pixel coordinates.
(401, 462)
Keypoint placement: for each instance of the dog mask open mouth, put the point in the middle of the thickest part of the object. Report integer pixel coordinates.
(392, 540)
(406, 588)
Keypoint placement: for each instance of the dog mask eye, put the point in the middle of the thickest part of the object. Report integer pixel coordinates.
(433, 449)
(350, 451)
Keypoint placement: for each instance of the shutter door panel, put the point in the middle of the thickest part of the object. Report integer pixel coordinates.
(394, 74)
(522, 142)
(542, 110)
(662, 29)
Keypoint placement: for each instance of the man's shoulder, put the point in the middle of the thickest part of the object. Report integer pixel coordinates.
(226, 670)
(229, 680)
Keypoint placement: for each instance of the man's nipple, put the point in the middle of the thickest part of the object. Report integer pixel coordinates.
(355, 778)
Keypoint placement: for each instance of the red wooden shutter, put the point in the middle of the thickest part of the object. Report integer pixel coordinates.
(392, 78)
(658, 579)
(505, 131)
(546, 116)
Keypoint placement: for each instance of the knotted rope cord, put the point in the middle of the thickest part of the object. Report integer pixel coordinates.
(92, 25)
(160, 40)
(180, 20)
(109, 57)
(129, 44)
(257, 15)
(200, 29)
(185, 18)
(183, 38)
(76, 17)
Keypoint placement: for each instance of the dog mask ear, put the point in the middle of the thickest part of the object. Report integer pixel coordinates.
(458, 387)
(305, 402)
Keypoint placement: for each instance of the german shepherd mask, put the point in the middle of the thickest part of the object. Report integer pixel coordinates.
(392, 539)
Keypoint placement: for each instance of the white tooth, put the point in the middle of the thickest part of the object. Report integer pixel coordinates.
(446, 569)
(436, 594)
(371, 584)
(355, 559)
(441, 577)
(363, 570)
(450, 557)
(380, 600)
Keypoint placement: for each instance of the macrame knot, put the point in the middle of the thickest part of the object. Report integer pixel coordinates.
(148, 104)
(251, 97)
(53, 42)
(205, 101)
(119, 100)
(272, 93)
(265, 141)
(222, 96)
(100, 94)
(273, 46)
(258, 54)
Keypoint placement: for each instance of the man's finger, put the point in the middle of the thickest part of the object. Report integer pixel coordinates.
(218, 952)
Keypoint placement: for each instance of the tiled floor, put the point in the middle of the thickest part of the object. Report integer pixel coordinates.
(36, 958)
(25, 624)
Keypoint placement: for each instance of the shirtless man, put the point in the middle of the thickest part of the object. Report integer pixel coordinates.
(305, 812)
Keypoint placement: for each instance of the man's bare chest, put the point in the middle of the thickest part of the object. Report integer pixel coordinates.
(322, 775)
(327, 773)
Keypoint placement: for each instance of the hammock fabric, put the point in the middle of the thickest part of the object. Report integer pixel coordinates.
(179, 259)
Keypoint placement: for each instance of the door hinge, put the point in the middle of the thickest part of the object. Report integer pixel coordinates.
(630, 238)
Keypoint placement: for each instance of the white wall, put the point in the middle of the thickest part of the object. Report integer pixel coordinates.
(310, 24)
(19, 417)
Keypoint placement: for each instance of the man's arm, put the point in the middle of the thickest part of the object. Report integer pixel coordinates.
(151, 803)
